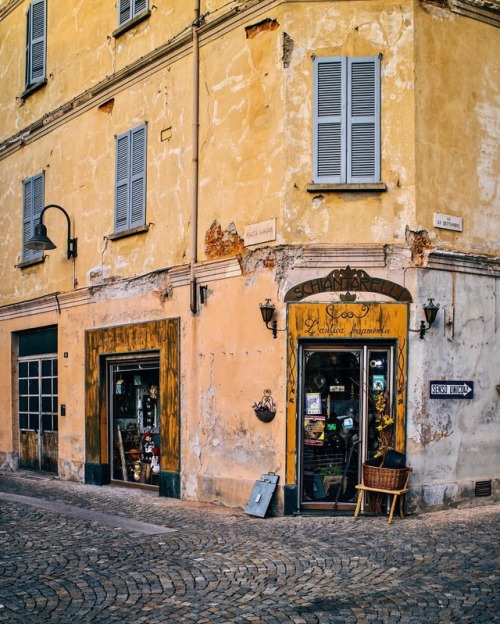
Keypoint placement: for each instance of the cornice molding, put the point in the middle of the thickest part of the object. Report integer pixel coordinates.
(120, 288)
(457, 262)
(316, 256)
(487, 11)
(10, 6)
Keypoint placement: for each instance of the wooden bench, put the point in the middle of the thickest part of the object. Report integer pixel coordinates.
(395, 495)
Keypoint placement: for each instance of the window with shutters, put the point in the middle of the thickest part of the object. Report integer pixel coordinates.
(36, 40)
(33, 202)
(130, 12)
(130, 185)
(346, 120)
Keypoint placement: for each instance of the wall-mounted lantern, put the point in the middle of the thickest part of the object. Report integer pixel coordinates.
(430, 310)
(267, 310)
(40, 241)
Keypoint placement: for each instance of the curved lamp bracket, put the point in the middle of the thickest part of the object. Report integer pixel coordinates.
(40, 241)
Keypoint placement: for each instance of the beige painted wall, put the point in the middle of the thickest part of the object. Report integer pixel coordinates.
(224, 447)
(255, 135)
(255, 163)
(458, 130)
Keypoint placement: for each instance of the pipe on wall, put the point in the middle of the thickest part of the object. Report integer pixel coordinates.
(193, 303)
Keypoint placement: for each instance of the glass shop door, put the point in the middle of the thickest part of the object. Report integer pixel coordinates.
(38, 413)
(341, 390)
(134, 420)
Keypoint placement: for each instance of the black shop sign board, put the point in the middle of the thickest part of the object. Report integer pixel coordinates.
(451, 389)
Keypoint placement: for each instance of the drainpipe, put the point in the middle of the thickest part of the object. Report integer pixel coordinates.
(193, 303)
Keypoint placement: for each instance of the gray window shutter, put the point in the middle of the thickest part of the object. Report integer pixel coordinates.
(140, 5)
(124, 11)
(33, 202)
(122, 181)
(329, 119)
(128, 9)
(363, 120)
(138, 177)
(36, 42)
(130, 188)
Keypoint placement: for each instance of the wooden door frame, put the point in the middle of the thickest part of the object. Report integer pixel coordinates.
(161, 336)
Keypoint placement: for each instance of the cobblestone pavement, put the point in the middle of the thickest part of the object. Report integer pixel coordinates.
(76, 553)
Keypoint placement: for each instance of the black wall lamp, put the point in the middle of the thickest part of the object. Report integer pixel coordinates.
(431, 310)
(40, 241)
(267, 310)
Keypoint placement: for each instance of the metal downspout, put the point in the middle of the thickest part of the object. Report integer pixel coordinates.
(193, 303)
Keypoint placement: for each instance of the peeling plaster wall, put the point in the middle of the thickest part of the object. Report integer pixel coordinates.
(242, 118)
(78, 160)
(93, 45)
(457, 78)
(439, 154)
(225, 445)
(453, 443)
(331, 29)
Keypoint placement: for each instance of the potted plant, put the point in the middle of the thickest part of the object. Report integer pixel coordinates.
(265, 409)
(379, 473)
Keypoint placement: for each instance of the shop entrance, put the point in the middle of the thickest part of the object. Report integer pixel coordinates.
(342, 386)
(134, 419)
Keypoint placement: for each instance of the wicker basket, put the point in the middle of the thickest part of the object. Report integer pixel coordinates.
(384, 478)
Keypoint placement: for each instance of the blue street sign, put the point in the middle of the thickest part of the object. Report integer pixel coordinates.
(451, 389)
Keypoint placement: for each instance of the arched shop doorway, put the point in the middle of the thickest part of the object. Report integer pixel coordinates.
(344, 361)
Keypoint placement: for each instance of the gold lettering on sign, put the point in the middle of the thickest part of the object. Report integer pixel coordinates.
(312, 327)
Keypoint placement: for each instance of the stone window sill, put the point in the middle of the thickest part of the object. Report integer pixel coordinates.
(32, 88)
(140, 229)
(29, 263)
(364, 186)
(131, 23)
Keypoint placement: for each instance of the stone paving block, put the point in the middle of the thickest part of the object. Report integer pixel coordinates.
(59, 565)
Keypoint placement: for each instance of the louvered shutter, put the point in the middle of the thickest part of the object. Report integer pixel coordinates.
(138, 177)
(363, 120)
(140, 5)
(36, 46)
(124, 11)
(128, 9)
(130, 189)
(329, 119)
(33, 201)
(122, 181)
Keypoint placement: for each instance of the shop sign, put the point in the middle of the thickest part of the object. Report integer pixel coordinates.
(451, 390)
(350, 281)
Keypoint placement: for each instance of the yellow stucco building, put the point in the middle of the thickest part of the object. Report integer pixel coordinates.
(171, 172)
